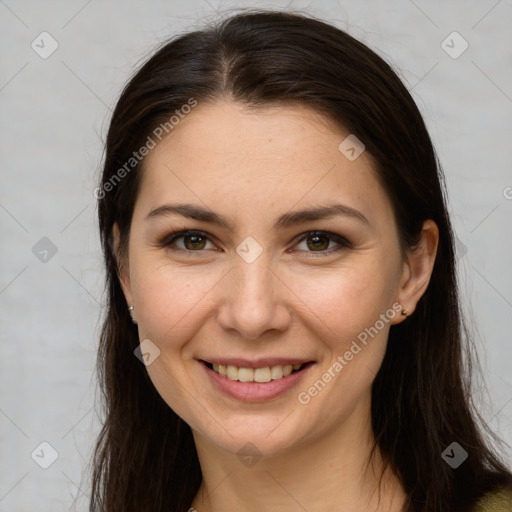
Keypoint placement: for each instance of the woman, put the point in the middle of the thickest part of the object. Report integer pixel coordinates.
(283, 328)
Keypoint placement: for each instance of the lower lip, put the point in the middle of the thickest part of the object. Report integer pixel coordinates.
(255, 391)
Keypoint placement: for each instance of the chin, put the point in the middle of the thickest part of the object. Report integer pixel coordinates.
(262, 434)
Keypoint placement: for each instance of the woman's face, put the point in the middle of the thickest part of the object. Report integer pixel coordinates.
(260, 290)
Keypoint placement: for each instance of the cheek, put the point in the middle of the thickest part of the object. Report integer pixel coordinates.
(170, 299)
(171, 308)
(350, 313)
(344, 301)
(354, 335)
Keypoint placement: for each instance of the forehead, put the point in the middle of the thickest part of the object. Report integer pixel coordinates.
(226, 154)
(264, 139)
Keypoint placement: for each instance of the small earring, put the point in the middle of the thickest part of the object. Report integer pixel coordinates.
(404, 312)
(130, 309)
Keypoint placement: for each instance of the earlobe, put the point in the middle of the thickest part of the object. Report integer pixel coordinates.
(123, 271)
(418, 269)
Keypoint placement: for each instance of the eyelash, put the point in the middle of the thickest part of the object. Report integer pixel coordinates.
(171, 237)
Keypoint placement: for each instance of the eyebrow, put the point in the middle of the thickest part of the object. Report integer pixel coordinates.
(286, 220)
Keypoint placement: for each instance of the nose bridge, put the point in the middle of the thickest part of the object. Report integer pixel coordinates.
(253, 304)
(254, 279)
(252, 272)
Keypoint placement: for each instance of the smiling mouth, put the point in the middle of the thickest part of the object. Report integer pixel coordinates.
(257, 375)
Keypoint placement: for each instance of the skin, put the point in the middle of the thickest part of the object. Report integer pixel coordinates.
(294, 300)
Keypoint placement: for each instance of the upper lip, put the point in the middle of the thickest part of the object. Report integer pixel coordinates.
(256, 363)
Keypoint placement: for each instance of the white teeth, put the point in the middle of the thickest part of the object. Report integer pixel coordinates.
(287, 370)
(265, 374)
(232, 372)
(262, 375)
(276, 372)
(245, 374)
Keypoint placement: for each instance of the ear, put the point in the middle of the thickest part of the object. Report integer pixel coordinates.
(417, 270)
(123, 271)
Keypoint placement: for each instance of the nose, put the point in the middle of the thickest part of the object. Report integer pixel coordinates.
(254, 300)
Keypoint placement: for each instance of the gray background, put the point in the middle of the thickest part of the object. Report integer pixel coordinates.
(54, 114)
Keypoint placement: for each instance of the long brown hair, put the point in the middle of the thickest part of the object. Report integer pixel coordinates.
(145, 458)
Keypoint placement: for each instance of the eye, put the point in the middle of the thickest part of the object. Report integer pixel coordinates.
(319, 241)
(196, 241)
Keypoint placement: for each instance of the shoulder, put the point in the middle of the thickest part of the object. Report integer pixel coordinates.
(497, 501)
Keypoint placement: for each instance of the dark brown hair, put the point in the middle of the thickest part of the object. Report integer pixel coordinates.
(145, 459)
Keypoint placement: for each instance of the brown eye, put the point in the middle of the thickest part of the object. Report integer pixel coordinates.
(193, 241)
(319, 242)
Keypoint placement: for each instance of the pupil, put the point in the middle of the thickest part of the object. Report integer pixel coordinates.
(317, 238)
(194, 240)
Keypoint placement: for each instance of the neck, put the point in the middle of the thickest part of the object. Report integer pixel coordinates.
(335, 472)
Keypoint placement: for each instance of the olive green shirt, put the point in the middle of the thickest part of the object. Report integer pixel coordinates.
(500, 501)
